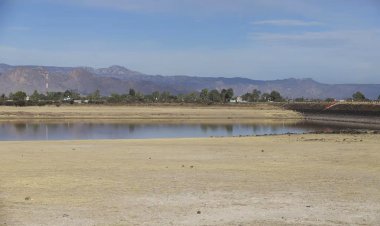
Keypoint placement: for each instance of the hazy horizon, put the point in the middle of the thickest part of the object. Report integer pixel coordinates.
(332, 42)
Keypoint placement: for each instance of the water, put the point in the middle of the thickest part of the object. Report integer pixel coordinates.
(89, 130)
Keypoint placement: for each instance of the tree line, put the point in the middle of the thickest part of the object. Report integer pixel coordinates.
(256, 96)
(205, 96)
(20, 98)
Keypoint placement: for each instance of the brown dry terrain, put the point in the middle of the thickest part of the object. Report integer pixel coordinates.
(311, 179)
(271, 180)
(164, 113)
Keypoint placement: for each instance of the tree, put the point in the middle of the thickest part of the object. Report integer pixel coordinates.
(252, 97)
(226, 94)
(19, 98)
(204, 95)
(255, 97)
(139, 97)
(67, 94)
(358, 96)
(276, 96)
(75, 95)
(132, 92)
(164, 96)
(54, 96)
(329, 99)
(378, 98)
(229, 94)
(191, 97)
(223, 95)
(247, 97)
(115, 98)
(266, 97)
(96, 95)
(35, 97)
(155, 96)
(2, 99)
(214, 96)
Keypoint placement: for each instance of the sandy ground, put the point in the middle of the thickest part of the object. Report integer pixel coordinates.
(272, 180)
(161, 113)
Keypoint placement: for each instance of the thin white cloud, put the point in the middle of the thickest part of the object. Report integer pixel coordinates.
(287, 23)
(320, 39)
(19, 28)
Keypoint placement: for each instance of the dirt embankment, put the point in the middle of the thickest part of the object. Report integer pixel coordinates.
(359, 113)
(353, 109)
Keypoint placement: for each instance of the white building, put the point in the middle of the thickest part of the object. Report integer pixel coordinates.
(238, 99)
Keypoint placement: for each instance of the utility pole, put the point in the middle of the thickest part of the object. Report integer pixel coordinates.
(45, 73)
(46, 82)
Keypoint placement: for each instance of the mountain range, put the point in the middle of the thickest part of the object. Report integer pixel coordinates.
(117, 79)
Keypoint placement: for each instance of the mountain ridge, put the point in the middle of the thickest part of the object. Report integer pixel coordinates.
(118, 79)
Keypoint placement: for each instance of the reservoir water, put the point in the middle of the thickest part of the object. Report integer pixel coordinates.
(93, 130)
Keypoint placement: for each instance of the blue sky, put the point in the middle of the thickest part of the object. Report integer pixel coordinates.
(333, 41)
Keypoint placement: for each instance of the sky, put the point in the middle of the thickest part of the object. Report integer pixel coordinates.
(331, 41)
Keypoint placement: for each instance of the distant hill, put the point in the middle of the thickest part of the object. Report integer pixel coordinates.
(117, 79)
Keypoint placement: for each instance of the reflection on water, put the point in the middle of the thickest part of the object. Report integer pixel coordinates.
(88, 130)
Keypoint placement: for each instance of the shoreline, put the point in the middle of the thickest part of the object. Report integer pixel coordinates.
(146, 113)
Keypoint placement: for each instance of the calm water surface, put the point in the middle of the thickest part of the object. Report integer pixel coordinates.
(88, 131)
